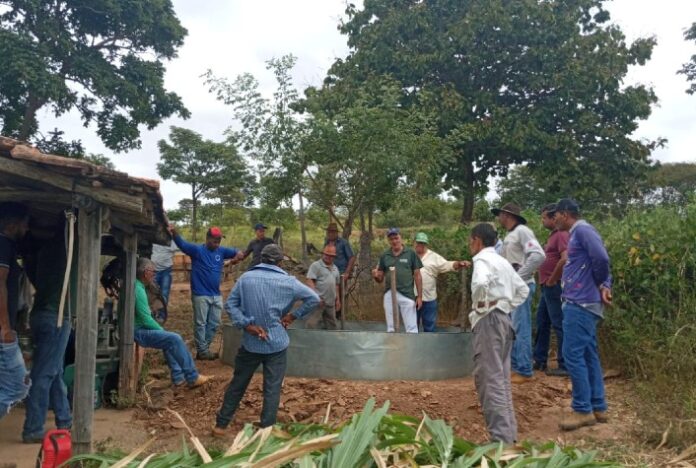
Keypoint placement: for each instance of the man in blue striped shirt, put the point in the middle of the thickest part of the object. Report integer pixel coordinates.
(260, 304)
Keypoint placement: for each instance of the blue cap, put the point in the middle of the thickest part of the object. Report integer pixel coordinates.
(260, 226)
(568, 204)
(392, 231)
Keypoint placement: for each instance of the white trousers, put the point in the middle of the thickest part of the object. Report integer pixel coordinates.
(407, 307)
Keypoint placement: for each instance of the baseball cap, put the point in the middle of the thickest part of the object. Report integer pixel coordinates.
(258, 226)
(272, 253)
(568, 204)
(422, 238)
(393, 231)
(215, 232)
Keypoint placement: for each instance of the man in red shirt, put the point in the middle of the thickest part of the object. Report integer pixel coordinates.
(549, 313)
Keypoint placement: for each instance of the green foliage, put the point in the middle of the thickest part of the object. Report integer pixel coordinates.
(204, 165)
(510, 82)
(55, 144)
(689, 68)
(372, 437)
(89, 57)
(672, 183)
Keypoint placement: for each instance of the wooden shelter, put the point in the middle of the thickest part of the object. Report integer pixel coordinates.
(116, 215)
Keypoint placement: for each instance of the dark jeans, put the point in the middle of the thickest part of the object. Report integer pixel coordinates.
(245, 365)
(14, 378)
(549, 315)
(47, 389)
(163, 279)
(427, 315)
(582, 358)
(175, 351)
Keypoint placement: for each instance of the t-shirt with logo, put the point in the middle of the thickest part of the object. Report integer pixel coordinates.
(8, 259)
(406, 263)
(206, 266)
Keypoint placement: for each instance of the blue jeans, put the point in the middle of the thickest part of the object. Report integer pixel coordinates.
(48, 389)
(522, 347)
(427, 315)
(245, 364)
(549, 315)
(582, 358)
(163, 279)
(175, 351)
(14, 378)
(207, 311)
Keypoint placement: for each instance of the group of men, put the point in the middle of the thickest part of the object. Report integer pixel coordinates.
(573, 273)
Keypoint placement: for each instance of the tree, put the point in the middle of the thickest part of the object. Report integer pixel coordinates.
(90, 57)
(689, 68)
(203, 164)
(672, 183)
(55, 144)
(509, 81)
(271, 132)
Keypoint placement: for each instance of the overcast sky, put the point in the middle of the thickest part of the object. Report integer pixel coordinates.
(235, 36)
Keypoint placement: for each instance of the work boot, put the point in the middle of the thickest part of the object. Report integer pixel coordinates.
(601, 417)
(519, 378)
(219, 432)
(202, 379)
(540, 366)
(207, 356)
(557, 372)
(575, 420)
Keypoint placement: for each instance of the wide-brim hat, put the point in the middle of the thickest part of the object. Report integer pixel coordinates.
(329, 250)
(512, 209)
(332, 227)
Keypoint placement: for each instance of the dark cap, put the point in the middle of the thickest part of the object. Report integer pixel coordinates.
(550, 209)
(272, 254)
(512, 209)
(215, 232)
(393, 231)
(569, 205)
(258, 226)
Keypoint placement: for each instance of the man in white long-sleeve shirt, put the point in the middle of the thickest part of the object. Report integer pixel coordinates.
(496, 290)
(522, 249)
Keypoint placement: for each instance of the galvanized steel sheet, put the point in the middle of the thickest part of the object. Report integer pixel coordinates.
(364, 351)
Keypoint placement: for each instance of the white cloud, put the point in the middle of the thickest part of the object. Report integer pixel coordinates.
(233, 37)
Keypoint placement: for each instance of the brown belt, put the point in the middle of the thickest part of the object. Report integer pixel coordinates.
(481, 305)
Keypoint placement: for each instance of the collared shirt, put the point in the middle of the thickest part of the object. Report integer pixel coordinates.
(163, 255)
(522, 249)
(494, 285)
(8, 259)
(555, 246)
(143, 314)
(255, 247)
(406, 263)
(262, 296)
(344, 252)
(434, 264)
(326, 277)
(587, 268)
(206, 266)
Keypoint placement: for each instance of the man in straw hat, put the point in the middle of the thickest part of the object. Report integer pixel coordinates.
(323, 277)
(522, 249)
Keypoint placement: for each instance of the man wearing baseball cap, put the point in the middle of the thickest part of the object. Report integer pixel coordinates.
(257, 244)
(409, 287)
(586, 284)
(345, 258)
(207, 262)
(522, 249)
(434, 264)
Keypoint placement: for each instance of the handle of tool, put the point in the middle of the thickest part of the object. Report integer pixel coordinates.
(344, 309)
(395, 302)
(68, 267)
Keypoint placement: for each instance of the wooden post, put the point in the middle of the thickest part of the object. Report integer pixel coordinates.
(344, 309)
(463, 318)
(127, 378)
(395, 302)
(89, 232)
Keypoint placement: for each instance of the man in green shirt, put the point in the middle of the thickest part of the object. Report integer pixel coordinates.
(407, 265)
(150, 334)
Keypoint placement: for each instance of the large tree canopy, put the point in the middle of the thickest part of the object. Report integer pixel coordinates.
(103, 58)
(689, 68)
(510, 82)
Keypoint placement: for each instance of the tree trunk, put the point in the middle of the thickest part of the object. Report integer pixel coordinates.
(469, 191)
(194, 215)
(348, 225)
(365, 255)
(29, 124)
(303, 233)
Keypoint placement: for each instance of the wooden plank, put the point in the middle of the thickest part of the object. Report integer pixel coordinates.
(30, 153)
(35, 196)
(127, 379)
(109, 197)
(89, 235)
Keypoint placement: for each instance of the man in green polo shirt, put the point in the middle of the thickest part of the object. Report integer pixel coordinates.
(408, 265)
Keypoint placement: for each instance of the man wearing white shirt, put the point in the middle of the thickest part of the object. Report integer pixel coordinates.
(496, 290)
(434, 264)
